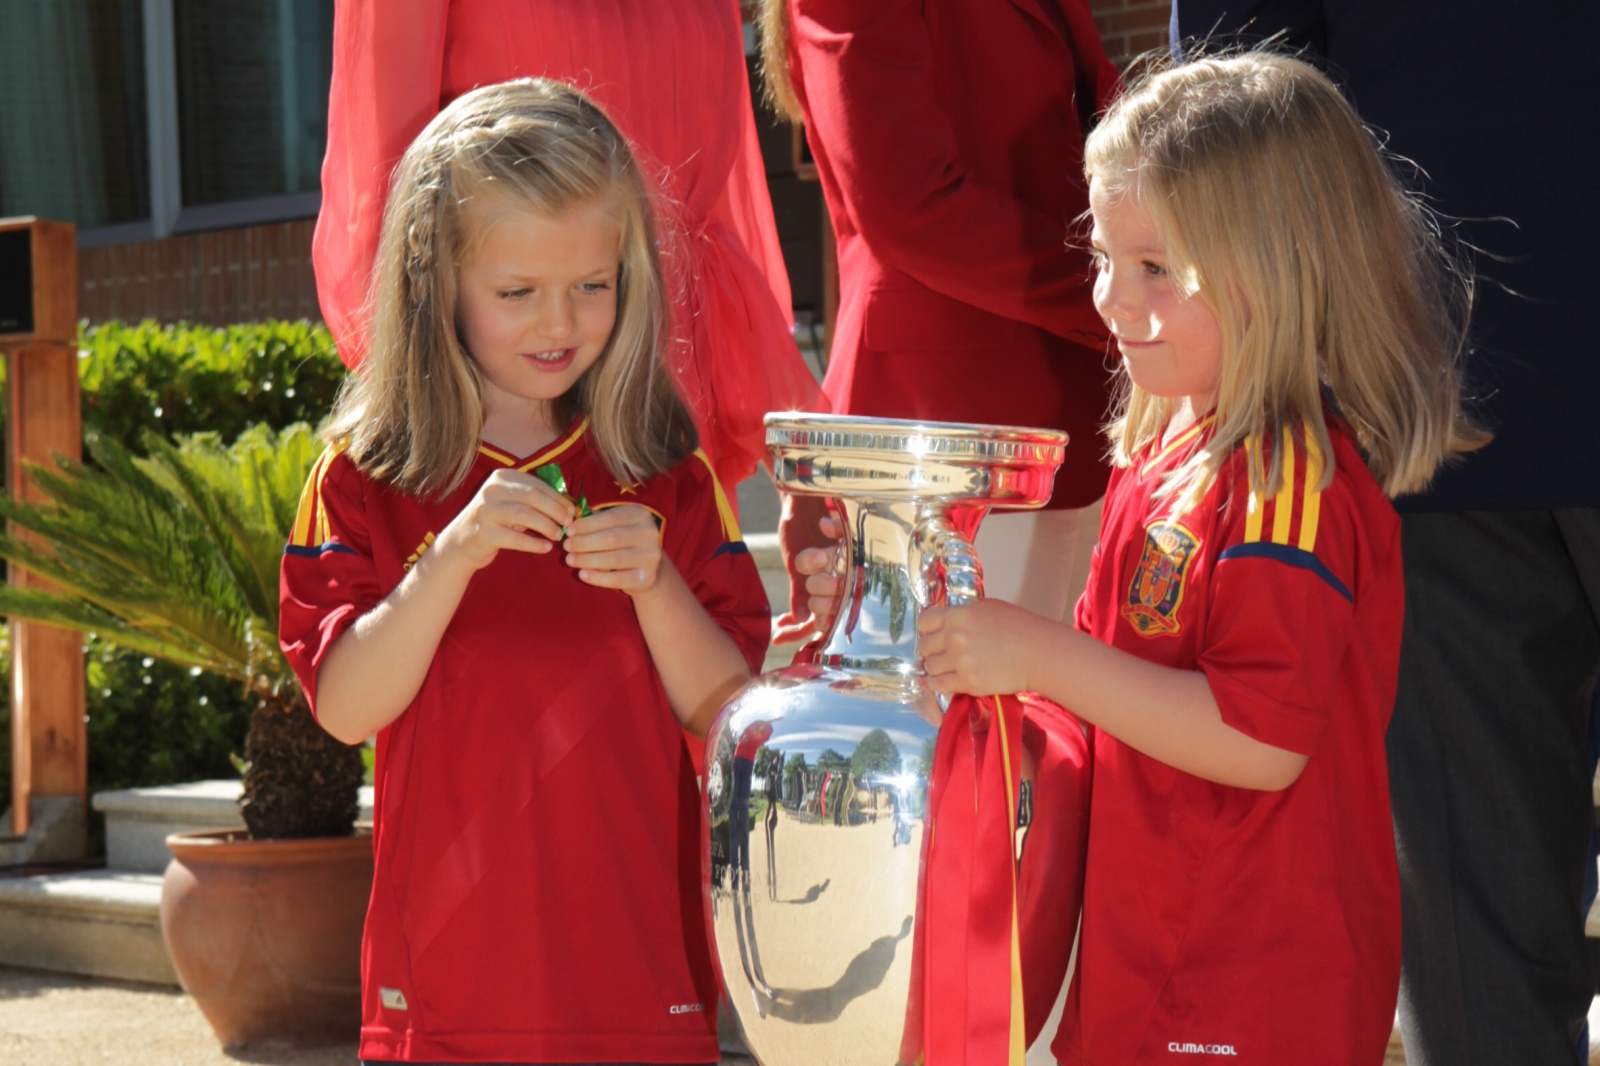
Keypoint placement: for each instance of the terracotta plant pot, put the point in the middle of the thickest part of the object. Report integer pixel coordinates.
(266, 934)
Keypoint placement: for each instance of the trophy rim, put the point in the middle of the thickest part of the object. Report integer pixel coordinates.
(951, 440)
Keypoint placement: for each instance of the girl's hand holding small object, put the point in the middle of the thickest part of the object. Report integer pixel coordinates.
(512, 510)
(550, 474)
(976, 649)
(616, 548)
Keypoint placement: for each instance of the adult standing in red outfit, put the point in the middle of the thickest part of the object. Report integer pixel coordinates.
(949, 141)
(671, 75)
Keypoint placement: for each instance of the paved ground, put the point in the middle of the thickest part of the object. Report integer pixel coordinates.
(49, 1019)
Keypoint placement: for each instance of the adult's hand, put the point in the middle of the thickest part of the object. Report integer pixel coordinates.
(809, 538)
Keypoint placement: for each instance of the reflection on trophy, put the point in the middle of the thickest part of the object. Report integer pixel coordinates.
(831, 755)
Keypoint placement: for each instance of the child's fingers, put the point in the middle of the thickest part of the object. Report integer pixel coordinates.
(618, 547)
(931, 621)
(630, 580)
(942, 673)
(626, 558)
(515, 486)
(612, 527)
(518, 540)
(518, 517)
(946, 673)
(548, 501)
(619, 538)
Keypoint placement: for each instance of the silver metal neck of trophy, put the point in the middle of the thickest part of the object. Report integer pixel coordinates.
(911, 495)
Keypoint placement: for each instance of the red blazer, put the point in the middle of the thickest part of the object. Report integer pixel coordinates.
(949, 140)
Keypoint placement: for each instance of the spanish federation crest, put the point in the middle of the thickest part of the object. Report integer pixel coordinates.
(1157, 588)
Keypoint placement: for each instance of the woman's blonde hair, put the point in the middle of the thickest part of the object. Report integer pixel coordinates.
(1278, 211)
(413, 416)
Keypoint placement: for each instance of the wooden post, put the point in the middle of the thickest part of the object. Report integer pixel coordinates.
(38, 331)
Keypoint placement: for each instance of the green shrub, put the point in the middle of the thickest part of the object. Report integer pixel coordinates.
(151, 722)
(191, 379)
(154, 723)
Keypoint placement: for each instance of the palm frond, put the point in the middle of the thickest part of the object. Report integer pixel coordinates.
(132, 551)
(176, 555)
(174, 646)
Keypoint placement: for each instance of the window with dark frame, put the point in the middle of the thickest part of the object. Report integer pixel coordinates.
(136, 119)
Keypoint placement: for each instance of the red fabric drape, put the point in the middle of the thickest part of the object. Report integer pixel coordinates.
(976, 998)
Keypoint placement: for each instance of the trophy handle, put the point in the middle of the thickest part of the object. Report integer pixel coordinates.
(951, 570)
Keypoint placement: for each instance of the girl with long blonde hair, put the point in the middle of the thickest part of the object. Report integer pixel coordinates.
(1289, 330)
(514, 566)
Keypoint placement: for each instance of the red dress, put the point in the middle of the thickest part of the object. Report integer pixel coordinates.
(949, 140)
(671, 74)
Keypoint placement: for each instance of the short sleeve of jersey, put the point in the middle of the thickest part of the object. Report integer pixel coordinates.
(328, 579)
(706, 546)
(1281, 611)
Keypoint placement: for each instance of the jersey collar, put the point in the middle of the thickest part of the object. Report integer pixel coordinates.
(548, 454)
(1177, 445)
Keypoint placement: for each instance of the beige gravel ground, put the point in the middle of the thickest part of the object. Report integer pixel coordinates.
(49, 1019)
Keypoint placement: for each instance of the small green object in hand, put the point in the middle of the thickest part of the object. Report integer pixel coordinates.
(550, 474)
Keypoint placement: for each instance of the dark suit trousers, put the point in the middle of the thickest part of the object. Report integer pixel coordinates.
(1492, 785)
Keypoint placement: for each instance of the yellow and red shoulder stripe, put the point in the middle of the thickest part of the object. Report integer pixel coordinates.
(1283, 525)
(311, 533)
(730, 521)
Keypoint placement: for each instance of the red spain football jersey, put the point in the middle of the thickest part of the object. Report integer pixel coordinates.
(1224, 924)
(537, 891)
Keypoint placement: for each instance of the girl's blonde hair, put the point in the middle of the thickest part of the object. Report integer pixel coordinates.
(1278, 211)
(413, 416)
(772, 20)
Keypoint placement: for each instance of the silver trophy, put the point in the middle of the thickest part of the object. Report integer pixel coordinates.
(830, 757)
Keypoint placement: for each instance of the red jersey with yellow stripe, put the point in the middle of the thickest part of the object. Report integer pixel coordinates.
(1223, 924)
(537, 888)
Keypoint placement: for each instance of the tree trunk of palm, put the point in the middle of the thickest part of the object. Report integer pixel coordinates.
(298, 781)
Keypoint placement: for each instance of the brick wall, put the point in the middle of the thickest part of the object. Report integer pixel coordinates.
(1130, 27)
(236, 275)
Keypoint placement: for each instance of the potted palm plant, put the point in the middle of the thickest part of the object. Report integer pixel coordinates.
(176, 555)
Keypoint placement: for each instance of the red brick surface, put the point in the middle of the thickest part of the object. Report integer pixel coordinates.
(218, 278)
(1130, 27)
